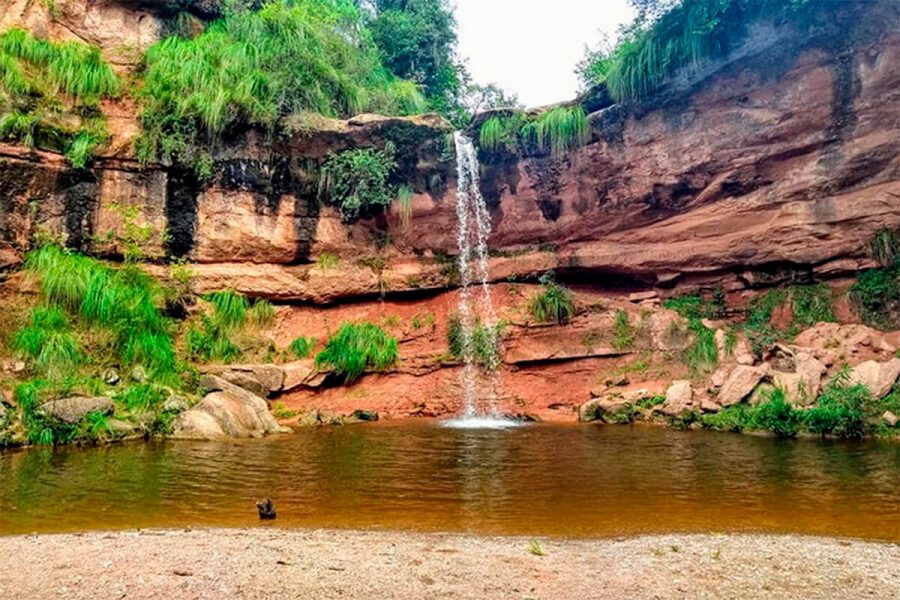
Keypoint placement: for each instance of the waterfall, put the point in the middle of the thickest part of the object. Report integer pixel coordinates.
(473, 229)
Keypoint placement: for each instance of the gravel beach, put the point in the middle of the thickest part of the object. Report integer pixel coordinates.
(279, 563)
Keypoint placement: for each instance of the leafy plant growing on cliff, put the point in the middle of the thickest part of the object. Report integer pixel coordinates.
(46, 86)
(358, 179)
(357, 347)
(253, 67)
(554, 304)
(876, 292)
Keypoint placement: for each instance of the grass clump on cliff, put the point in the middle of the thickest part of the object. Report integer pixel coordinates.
(302, 347)
(48, 342)
(554, 304)
(702, 354)
(46, 86)
(126, 302)
(232, 312)
(554, 131)
(481, 342)
(558, 130)
(357, 180)
(655, 47)
(253, 67)
(357, 347)
(876, 293)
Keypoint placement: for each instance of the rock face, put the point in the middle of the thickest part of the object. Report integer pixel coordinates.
(792, 138)
(72, 410)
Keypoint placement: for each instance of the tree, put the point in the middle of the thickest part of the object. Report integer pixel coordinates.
(417, 41)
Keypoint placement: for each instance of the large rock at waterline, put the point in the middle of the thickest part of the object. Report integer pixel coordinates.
(878, 377)
(611, 403)
(740, 384)
(73, 410)
(802, 386)
(679, 399)
(222, 414)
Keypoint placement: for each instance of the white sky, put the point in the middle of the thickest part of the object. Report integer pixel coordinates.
(530, 47)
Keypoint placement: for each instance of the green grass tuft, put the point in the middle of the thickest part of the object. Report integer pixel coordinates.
(302, 347)
(555, 304)
(357, 347)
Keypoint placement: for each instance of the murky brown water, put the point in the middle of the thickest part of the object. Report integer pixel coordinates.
(535, 480)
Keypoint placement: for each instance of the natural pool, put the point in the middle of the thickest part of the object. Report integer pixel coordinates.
(580, 481)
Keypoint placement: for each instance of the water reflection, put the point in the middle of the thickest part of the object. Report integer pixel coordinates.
(535, 480)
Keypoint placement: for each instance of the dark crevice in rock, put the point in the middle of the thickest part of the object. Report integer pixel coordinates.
(182, 192)
(80, 198)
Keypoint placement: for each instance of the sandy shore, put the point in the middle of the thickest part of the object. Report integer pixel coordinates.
(275, 563)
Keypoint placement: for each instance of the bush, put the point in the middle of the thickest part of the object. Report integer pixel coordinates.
(876, 295)
(734, 419)
(623, 332)
(558, 130)
(357, 180)
(555, 304)
(839, 410)
(357, 347)
(777, 415)
(811, 304)
(253, 67)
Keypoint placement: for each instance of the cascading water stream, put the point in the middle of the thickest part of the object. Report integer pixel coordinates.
(479, 386)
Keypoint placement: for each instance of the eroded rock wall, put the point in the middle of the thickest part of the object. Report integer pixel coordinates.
(781, 161)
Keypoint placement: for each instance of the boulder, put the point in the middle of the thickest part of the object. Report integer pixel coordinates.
(232, 413)
(679, 399)
(300, 374)
(73, 410)
(718, 378)
(611, 403)
(803, 385)
(262, 380)
(740, 383)
(890, 419)
(878, 377)
(708, 406)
